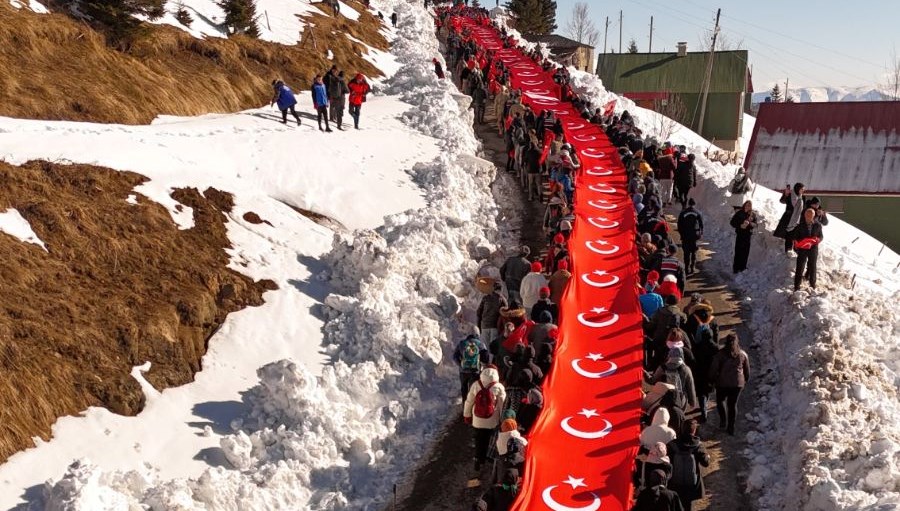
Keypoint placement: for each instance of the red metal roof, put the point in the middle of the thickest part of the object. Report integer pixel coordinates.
(850, 147)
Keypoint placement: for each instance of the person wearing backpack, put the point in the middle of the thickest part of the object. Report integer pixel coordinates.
(703, 330)
(646, 464)
(730, 372)
(482, 409)
(470, 354)
(655, 496)
(687, 455)
(690, 226)
(677, 373)
(665, 319)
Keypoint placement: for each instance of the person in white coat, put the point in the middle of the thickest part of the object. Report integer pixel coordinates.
(483, 408)
(530, 290)
(658, 430)
(510, 448)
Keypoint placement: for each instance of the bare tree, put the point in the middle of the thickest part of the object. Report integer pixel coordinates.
(673, 110)
(580, 26)
(892, 86)
(723, 43)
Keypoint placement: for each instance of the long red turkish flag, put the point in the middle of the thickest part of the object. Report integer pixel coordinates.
(582, 447)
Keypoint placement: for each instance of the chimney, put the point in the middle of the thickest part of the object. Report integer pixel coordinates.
(682, 48)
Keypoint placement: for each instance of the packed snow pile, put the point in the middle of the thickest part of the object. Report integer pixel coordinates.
(826, 419)
(13, 223)
(399, 294)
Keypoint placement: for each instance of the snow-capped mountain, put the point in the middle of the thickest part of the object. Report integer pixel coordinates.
(828, 94)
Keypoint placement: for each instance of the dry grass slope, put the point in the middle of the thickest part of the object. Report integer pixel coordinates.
(56, 68)
(120, 285)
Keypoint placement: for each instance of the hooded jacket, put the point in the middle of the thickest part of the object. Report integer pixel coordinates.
(488, 376)
(688, 445)
(557, 284)
(503, 441)
(658, 430)
(530, 289)
(358, 90)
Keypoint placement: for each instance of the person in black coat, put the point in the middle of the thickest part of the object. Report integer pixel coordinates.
(807, 236)
(687, 455)
(685, 178)
(792, 198)
(690, 226)
(500, 497)
(744, 222)
(703, 331)
(656, 497)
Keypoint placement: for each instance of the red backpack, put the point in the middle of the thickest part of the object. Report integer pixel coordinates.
(485, 403)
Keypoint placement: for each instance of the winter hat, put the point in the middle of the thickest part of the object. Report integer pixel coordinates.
(544, 292)
(670, 278)
(536, 267)
(508, 425)
(359, 76)
(565, 225)
(814, 200)
(534, 397)
(653, 276)
(562, 265)
(658, 453)
(656, 478)
(646, 238)
(491, 366)
(702, 314)
(696, 298)
(559, 239)
(509, 413)
(676, 354)
(691, 202)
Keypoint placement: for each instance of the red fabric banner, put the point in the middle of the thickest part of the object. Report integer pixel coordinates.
(582, 447)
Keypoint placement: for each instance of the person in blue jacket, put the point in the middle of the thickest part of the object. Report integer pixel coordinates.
(320, 102)
(284, 96)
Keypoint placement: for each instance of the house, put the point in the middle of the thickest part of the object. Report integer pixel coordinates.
(567, 51)
(672, 83)
(834, 148)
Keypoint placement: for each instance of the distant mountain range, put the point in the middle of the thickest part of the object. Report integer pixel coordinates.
(826, 94)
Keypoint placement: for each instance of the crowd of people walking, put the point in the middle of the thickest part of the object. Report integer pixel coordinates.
(687, 360)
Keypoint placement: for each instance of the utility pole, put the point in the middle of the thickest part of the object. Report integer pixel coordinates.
(605, 34)
(650, 50)
(787, 81)
(620, 32)
(709, 68)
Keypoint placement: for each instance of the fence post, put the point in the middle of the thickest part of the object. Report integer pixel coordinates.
(267, 20)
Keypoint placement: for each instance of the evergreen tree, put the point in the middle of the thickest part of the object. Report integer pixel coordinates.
(182, 15)
(775, 94)
(118, 16)
(632, 46)
(240, 16)
(533, 16)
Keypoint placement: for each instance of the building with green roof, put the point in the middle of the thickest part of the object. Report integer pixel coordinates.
(672, 84)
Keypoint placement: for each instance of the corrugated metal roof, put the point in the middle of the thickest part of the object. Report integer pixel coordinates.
(650, 72)
(556, 41)
(849, 147)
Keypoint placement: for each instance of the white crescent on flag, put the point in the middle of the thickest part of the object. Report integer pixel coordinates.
(596, 246)
(602, 188)
(582, 318)
(547, 495)
(601, 204)
(602, 222)
(576, 366)
(587, 435)
(610, 281)
(598, 171)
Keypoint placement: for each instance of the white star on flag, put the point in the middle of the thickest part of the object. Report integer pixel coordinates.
(588, 413)
(574, 482)
(602, 243)
(600, 272)
(595, 356)
(598, 310)
(602, 219)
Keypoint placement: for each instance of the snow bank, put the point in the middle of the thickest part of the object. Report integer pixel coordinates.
(13, 223)
(34, 5)
(339, 440)
(826, 425)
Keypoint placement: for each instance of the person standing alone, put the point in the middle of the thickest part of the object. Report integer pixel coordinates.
(744, 222)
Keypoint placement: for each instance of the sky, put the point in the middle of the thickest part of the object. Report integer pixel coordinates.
(810, 42)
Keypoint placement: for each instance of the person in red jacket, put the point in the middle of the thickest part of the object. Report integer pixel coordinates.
(358, 90)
